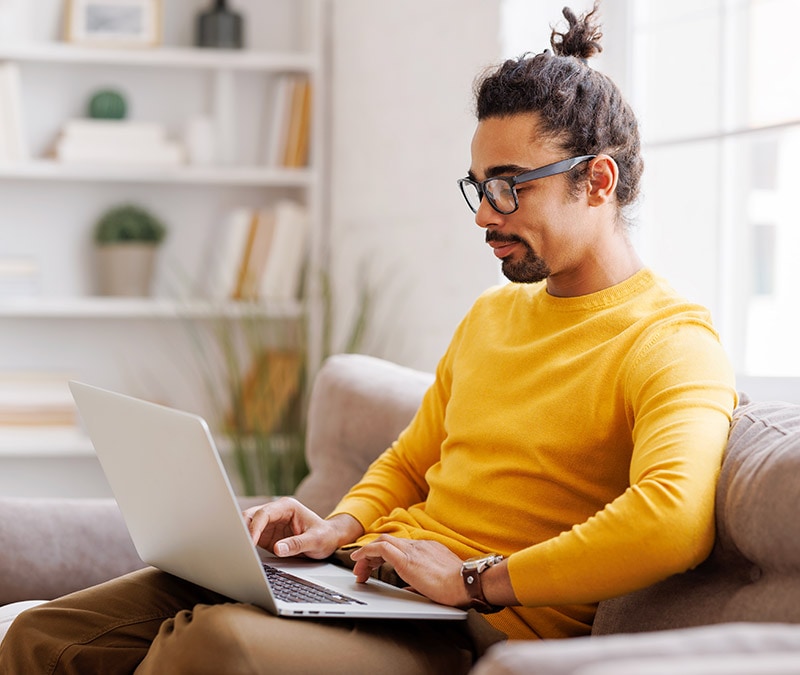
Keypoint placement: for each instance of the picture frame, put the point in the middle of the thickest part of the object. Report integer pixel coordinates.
(113, 23)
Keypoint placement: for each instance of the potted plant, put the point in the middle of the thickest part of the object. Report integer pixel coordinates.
(127, 238)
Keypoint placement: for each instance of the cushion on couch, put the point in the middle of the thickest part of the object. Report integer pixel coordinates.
(696, 651)
(54, 546)
(358, 407)
(753, 573)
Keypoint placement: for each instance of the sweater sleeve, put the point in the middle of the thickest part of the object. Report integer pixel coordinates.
(679, 394)
(397, 478)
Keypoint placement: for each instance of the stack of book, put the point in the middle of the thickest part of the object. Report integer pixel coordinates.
(260, 254)
(19, 277)
(13, 143)
(30, 401)
(117, 142)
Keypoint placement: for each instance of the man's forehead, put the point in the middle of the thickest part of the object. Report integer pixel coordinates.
(508, 145)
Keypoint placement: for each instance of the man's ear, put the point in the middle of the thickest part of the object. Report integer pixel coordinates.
(602, 180)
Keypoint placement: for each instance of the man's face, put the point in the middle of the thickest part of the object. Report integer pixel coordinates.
(543, 236)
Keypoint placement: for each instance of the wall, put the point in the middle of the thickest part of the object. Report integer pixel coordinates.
(401, 126)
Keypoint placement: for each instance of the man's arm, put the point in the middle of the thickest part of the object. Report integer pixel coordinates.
(680, 396)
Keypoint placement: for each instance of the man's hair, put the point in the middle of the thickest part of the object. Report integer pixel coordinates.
(579, 108)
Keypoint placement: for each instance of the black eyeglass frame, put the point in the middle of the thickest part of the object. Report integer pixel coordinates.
(542, 172)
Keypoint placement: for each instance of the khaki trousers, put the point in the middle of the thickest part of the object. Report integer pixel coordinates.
(150, 622)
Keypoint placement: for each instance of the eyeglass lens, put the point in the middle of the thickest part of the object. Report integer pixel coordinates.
(499, 193)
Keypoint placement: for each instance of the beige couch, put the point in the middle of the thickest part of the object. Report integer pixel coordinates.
(735, 613)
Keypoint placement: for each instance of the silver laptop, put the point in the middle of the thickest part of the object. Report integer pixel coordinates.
(166, 474)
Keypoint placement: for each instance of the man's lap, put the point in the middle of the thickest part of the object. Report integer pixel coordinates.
(109, 628)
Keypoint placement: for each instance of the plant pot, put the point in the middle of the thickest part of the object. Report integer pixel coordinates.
(125, 269)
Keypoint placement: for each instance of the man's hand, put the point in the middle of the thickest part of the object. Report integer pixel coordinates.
(430, 568)
(288, 528)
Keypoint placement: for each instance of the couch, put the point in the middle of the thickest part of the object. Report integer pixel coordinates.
(738, 612)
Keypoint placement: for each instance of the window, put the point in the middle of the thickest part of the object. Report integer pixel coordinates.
(715, 85)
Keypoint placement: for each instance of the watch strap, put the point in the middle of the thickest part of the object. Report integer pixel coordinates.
(471, 572)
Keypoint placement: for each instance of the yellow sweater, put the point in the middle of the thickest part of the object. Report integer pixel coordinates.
(580, 437)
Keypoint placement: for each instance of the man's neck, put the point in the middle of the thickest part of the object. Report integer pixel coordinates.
(607, 269)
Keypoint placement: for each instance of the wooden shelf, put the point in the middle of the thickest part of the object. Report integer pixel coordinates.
(142, 308)
(162, 57)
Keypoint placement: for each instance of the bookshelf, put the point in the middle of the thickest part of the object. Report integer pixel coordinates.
(141, 345)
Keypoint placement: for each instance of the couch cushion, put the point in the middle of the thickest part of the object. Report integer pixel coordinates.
(50, 547)
(55, 546)
(358, 407)
(753, 573)
(689, 650)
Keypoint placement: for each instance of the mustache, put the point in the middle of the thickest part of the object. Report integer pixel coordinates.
(493, 235)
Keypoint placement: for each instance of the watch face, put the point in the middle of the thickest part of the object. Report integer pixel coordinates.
(482, 561)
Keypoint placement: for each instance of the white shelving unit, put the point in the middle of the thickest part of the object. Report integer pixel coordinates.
(161, 57)
(142, 346)
(268, 177)
(144, 308)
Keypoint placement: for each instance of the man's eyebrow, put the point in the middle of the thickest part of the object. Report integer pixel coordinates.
(501, 170)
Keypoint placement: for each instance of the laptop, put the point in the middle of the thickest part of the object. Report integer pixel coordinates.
(169, 481)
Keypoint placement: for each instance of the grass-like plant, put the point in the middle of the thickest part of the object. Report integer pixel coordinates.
(255, 371)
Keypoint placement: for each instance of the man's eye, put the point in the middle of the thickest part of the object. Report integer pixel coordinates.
(500, 188)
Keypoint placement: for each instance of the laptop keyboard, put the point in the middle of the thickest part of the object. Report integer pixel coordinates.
(290, 588)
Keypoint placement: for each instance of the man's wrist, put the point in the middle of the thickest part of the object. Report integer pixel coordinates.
(471, 575)
(346, 527)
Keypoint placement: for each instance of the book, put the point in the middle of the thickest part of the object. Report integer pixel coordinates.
(296, 141)
(227, 254)
(5, 143)
(116, 141)
(19, 277)
(290, 126)
(13, 145)
(281, 114)
(115, 131)
(31, 399)
(78, 151)
(268, 388)
(256, 256)
(285, 263)
(260, 254)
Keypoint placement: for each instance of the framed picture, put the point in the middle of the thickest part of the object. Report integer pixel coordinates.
(121, 23)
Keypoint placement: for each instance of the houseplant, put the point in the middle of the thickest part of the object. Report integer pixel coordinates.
(127, 238)
(255, 371)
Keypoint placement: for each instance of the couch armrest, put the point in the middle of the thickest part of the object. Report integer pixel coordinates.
(686, 650)
(55, 546)
(359, 405)
(51, 547)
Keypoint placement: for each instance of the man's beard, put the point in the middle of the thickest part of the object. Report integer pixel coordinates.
(529, 269)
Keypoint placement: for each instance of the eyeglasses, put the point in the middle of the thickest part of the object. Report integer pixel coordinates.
(501, 191)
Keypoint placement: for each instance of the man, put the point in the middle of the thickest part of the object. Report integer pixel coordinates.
(570, 441)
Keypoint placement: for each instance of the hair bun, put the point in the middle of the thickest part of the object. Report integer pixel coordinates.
(582, 39)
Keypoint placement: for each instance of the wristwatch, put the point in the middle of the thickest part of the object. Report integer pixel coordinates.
(471, 570)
